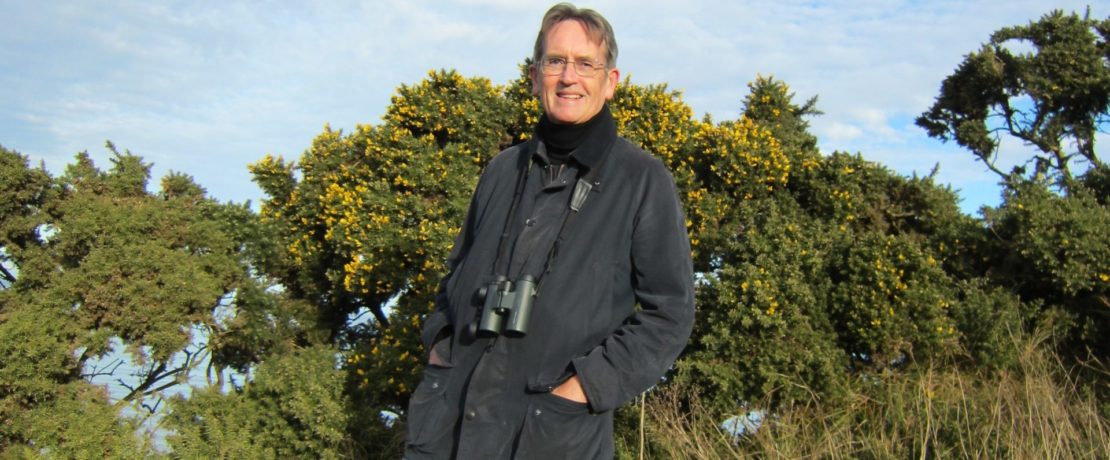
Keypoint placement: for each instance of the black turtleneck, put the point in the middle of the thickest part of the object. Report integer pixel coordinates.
(561, 140)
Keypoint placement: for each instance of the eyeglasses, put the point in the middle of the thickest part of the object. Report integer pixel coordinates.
(556, 66)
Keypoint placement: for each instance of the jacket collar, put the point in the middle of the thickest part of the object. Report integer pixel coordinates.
(594, 144)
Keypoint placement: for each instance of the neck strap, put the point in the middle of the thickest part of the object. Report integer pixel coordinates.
(582, 188)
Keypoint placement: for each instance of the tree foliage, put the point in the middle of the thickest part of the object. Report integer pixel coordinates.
(1054, 98)
(1047, 242)
(1054, 251)
(281, 414)
(104, 279)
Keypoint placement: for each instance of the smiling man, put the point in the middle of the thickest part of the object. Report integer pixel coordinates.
(536, 336)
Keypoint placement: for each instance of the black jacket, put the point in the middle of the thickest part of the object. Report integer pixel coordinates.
(628, 247)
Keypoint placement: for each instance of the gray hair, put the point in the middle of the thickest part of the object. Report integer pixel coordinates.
(597, 29)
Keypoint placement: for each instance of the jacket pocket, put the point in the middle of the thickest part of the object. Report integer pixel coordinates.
(427, 419)
(556, 427)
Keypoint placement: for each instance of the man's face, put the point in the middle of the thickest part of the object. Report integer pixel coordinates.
(569, 98)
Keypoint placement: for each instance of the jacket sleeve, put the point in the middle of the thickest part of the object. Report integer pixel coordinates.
(637, 354)
(438, 325)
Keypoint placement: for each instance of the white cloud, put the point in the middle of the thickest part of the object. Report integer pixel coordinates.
(207, 88)
(840, 133)
(503, 4)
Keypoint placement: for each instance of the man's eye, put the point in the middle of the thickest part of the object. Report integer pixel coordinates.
(556, 61)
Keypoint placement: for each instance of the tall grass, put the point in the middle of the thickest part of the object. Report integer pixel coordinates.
(1035, 410)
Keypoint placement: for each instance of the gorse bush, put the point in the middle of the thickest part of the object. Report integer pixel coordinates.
(1056, 249)
(759, 323)
(812, 267)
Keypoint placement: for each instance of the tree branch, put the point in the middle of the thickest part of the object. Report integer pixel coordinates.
(154, 408)
(380, 316)
(990, 165)
(8, 276)
(156, 374)
(96, 372)
(159, 373)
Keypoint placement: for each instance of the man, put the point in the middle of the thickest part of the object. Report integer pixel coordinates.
(594, 226)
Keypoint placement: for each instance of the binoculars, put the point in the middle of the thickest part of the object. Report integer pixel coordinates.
(506, 307)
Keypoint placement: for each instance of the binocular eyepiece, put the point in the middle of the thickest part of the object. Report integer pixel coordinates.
(506, 307)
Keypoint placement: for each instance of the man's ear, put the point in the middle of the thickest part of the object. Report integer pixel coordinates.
(535, 80)
(614, 77)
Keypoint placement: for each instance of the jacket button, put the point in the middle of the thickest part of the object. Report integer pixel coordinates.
(530, 222)
(538, 412)
(470, 415)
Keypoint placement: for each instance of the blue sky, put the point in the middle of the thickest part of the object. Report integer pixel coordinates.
(205, 88)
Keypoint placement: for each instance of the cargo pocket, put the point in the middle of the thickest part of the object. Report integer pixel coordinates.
(556, 427)
(427, 412)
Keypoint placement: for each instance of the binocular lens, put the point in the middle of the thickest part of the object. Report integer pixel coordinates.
(506, 307)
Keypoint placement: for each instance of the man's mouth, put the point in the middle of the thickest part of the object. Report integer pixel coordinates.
(570, 96)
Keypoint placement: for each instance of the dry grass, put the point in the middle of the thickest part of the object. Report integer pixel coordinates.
(1035, 411)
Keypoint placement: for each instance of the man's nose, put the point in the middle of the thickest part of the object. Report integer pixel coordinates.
(569, 75)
